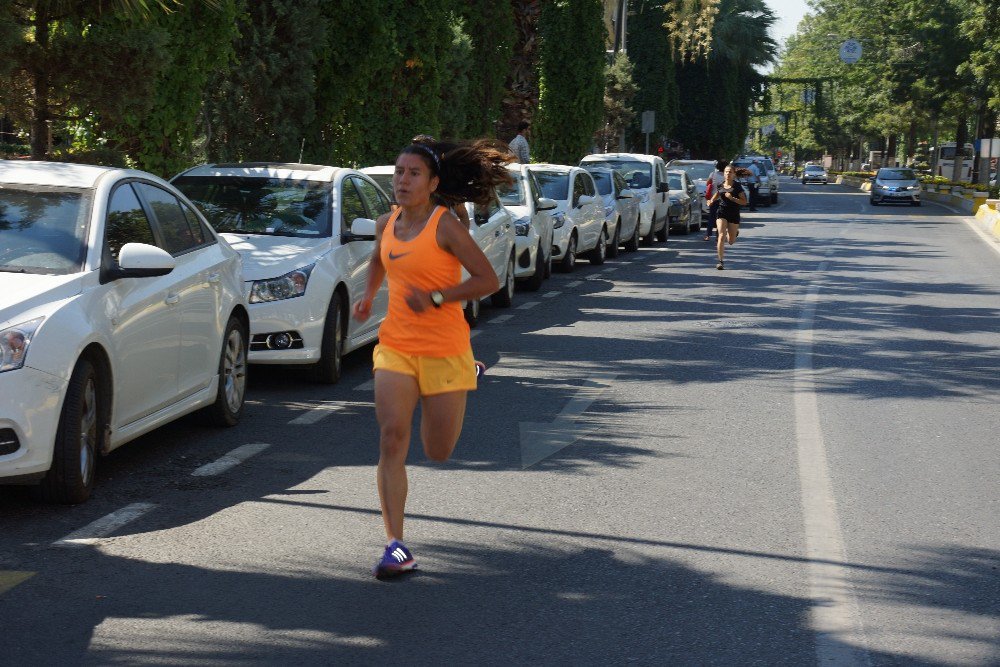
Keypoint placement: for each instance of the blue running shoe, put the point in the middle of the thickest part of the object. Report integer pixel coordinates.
(396, 560)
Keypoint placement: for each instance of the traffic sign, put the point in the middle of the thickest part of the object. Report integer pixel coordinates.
(850, 51)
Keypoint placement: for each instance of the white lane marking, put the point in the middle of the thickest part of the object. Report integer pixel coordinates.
(317, 413)
(529, 305)
(549, 295)
(834, 614)
(92, 533)
(500, 319)
(475, 332)
(609, 269)
(540, 440)
(230, 460)
(368, 385)
(575, 283)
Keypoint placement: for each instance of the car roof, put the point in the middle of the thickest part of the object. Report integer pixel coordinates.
(379, 170)
(639, 157)
(65, 174)
(302, 172)
(673, 162)
(563, 168)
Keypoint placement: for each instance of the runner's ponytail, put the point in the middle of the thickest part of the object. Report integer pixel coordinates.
(467, 171)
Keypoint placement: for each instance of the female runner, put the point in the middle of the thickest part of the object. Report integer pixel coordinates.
(729, 196)
(424, 354)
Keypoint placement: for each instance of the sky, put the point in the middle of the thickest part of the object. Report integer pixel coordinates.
(789, 13)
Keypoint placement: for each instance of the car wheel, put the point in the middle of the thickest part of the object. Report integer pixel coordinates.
(327, 370)
(774, 198)
(471, 312)
(633, 243)
(803, 181)
(505, 295)
(664, 232)
(600, 251)
(229, 397)
(616, 241)
(534, 282)
(70, 480)
(568, 262)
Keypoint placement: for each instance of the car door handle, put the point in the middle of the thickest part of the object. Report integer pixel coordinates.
(497, 233)
(214, 277)
(172, 299)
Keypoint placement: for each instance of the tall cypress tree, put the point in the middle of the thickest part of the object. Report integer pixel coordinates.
(571, 104)
(648, 46)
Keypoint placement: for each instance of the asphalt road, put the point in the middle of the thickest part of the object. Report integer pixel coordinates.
(790, 462)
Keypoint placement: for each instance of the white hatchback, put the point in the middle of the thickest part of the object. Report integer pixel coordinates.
(579, 214)
(120, 310)
(646, 176)
(303, 266)
(532, 226)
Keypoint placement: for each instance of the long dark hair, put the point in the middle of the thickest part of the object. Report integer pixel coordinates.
(467, 171)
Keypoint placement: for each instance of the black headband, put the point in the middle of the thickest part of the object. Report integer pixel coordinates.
(429, 151)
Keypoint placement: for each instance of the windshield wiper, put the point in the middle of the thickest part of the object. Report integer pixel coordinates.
(13, 269)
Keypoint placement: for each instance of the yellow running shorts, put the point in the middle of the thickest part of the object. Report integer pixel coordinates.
(434, 375)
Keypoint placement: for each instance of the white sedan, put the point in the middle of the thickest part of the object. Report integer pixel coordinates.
(532, 226)
(579, 215)
(303, 265)
(120, 310)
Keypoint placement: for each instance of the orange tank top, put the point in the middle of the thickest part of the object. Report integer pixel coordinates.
(421, 263)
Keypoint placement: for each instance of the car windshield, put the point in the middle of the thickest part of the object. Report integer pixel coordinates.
(260, 205)
(554, 184)
(512, 195)
(814, 168)
(638, 174)
(897, 175)
(674, 181)
(43, 229)
(696, 170)
(603, 181)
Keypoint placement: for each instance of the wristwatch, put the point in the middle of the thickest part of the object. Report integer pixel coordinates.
(437, 298)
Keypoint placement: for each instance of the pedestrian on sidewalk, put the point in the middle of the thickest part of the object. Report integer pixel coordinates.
(729, 197)
(715, 180)
(424, 353)
(519, 144)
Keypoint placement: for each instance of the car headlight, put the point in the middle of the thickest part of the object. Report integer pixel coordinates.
(288, 286)
(558, 219)
(521, 226)
(14, 342)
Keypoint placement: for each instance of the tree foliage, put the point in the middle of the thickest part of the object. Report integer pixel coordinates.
(650, 49)
(572, 79)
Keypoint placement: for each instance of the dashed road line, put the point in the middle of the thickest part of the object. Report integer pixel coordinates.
(11, 578)
(528, 305)
(230, 460)
(317, 413)
(499, 319)
(609, 269)
(549, 295)
(575, 283)
(475, 332)
(92, 533)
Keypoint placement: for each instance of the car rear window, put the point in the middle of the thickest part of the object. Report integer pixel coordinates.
(261, 205)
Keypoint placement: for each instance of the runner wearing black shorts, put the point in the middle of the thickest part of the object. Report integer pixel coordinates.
(730, 196)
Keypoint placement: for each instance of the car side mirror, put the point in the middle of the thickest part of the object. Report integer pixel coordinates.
(626, 194)
(362, 229)
(584, 200)
(663, 188)
(141, 260)
(546, 204)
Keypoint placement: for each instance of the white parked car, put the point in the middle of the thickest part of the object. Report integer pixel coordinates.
(578, 217)
(303, 266)
(533, 230)
(120, 310)
(621, 209)
(698, 172)
(492, 226)
(683, 196)
(646, 176)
